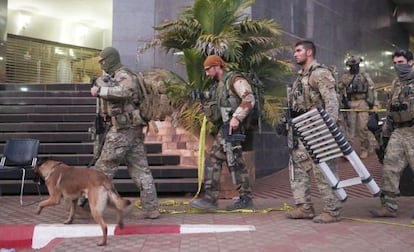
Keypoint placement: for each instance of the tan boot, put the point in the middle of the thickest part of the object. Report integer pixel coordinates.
(154, 214)
(300, 213)
(383, 212)
(326, 218)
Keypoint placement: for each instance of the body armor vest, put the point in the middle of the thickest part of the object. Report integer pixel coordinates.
(357, 85)
(402, 103)
(303, 95)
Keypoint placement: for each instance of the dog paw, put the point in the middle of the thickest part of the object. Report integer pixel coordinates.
(101, 243)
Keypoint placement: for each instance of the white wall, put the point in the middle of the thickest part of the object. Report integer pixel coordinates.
(52, 29)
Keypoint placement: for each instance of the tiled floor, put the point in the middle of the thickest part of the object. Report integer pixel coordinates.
(357, 231)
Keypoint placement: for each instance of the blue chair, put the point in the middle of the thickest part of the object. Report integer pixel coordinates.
(20, 155)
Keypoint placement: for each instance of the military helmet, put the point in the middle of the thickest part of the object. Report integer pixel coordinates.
(111, 60)
(353, 60)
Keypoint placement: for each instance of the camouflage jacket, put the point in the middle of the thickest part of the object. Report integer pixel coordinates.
(118, 95)
(315, 86)
(401, 103)
(237, 96)
(358, 87)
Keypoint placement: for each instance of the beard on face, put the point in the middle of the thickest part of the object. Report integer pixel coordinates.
(300, 62)
(215, 78)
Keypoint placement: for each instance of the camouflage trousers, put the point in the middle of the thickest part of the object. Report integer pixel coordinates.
(128, 145)
(399, 153)
(214, 164)
(358, 130)
(300, 166)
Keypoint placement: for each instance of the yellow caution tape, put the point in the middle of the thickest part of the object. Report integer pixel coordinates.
(285, 207)
(380, 222)
(348, 110)
(363, 110)
(200, 160)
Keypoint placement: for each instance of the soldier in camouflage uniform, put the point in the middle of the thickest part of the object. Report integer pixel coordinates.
(400, 149)
(315, 86)
(124, 140)
(357, 90)
(239, 98)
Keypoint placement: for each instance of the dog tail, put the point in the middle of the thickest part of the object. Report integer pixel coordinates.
(119, 202)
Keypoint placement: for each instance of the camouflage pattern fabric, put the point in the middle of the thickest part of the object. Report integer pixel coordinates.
(302, 166)
(399, 153)
(315, 86)
(240, 98)
(358, 130)
(117, 95)
(400, 150)
(124, 141)
(214, 164)
(356, 126)
(241, 89)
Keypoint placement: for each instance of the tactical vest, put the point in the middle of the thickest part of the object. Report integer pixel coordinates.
(121, 112)
(220, 98)
(402, 103)
(358, 87)
(303, 96)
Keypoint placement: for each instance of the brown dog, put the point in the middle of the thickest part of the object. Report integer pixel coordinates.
(70, 183)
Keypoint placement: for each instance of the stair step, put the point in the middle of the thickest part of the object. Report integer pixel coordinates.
(49, 137)
(84, 159)
(36, 109)
(48, 101)
(48, 94)
(48, 126)
(82, 148)
(162, 185)
(67, 117)
(45, 87)
(158, 171)
(164, 171)
(122, 185)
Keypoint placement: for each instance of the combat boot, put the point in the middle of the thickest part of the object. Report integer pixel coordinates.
(148, 214)
(326, 218)
(244, 202)
(301, 213)
(383, 212)
(203, 204)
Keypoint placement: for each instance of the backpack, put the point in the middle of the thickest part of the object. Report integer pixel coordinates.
(254, 119)
(153, 102)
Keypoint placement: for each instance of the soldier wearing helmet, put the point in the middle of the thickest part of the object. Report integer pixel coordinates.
(357, 91)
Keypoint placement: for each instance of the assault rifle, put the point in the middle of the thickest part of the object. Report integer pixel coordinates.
(375, 126)
(98, 131)
(345, 103)
(231, 144)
